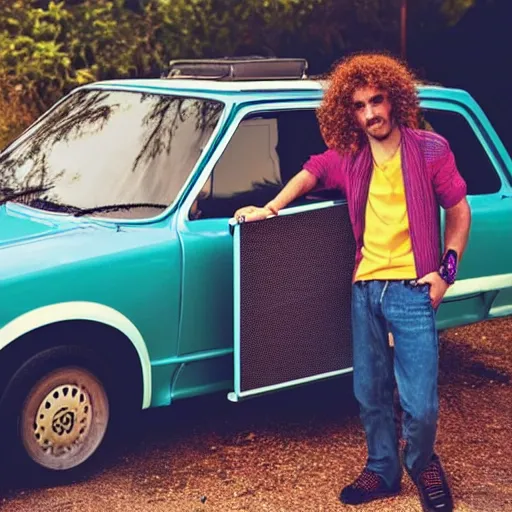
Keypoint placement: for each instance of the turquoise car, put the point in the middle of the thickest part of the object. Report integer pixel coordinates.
(122, 274)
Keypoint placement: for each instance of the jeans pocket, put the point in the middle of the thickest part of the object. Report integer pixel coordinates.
(422, 290)
(414, 285)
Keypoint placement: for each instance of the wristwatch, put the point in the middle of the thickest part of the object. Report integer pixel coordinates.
(448, 268)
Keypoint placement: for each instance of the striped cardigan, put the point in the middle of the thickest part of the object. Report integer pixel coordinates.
(431, 179)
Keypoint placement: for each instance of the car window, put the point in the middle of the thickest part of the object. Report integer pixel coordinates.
(101, 149)
(472, 160)
(265, 152)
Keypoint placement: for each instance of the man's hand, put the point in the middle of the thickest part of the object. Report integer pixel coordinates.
(252, 213)
(438, 287)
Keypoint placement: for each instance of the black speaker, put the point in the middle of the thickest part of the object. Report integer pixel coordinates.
(295, 282)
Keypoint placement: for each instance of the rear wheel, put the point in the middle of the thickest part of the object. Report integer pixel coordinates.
(56, 413)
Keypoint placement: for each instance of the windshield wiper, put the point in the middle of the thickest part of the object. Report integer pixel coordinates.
(11, 196)
(121, 206)
(42, 204)
(45, 204)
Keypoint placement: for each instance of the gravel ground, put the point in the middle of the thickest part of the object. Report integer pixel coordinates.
(294, 450)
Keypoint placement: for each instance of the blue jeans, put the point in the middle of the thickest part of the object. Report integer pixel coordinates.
(380, 307)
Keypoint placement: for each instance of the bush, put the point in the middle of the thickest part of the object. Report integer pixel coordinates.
(17, 110)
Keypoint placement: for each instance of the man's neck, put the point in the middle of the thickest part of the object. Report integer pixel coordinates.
(383, 150)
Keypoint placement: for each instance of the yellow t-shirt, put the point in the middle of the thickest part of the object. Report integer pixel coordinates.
(387, 251)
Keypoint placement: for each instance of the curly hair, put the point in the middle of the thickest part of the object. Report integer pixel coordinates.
(336, 115)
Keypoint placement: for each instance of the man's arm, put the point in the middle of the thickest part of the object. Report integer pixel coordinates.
(457, 224)
(300, 184)
(456, 232)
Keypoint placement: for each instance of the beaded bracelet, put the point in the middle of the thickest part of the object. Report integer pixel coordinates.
(448, 268)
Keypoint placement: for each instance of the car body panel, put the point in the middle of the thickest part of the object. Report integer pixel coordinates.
(172, 278)
(479, 286)
(130, 271)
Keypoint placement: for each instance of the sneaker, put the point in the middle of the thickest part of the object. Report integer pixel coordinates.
(433, 487)
(367, 486)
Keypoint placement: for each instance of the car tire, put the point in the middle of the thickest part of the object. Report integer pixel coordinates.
(55, 414)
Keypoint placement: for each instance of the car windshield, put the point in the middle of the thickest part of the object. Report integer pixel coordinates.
(123, 154)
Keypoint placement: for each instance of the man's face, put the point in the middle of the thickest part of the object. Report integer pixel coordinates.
(373, 112)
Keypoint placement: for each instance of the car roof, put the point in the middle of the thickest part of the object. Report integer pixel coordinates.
(247, 90)
(220, 85)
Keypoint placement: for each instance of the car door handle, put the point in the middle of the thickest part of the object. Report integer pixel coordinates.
(506, 196)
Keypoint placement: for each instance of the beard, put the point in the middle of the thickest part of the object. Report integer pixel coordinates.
(383, 136)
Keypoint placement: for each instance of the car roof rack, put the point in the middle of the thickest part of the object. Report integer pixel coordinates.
(239, 68)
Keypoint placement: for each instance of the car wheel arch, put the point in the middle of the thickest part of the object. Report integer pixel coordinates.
(47, 326)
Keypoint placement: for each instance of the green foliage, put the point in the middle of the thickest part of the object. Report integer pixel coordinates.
(52, 50)
(48, 47)
(454, 9)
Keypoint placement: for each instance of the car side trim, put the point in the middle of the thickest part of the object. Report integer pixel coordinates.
(479, 285)
(92, 311)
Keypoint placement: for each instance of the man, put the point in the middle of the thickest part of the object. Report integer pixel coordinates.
(394, 177)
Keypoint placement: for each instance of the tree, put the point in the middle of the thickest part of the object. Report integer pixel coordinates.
(47, 47)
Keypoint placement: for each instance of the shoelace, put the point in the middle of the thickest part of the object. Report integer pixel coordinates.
(367, 481)
(432, 481)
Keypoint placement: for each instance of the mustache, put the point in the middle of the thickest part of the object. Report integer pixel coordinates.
(373, 121)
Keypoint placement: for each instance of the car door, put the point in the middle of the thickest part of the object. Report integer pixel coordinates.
(484, 284)
(263, 148)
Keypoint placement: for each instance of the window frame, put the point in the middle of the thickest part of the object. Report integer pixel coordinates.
(242, 112)
(472, 117)
(481, 134)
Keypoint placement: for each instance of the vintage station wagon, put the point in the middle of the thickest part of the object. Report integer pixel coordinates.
(125, 286)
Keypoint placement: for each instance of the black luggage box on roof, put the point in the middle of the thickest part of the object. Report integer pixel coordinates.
(232, 69)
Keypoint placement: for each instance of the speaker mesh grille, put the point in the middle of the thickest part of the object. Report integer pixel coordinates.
(295, 287)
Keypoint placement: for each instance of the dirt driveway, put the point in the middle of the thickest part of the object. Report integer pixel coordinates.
(294, 450)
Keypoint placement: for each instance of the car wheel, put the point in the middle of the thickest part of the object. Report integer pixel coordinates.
(56, 412)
